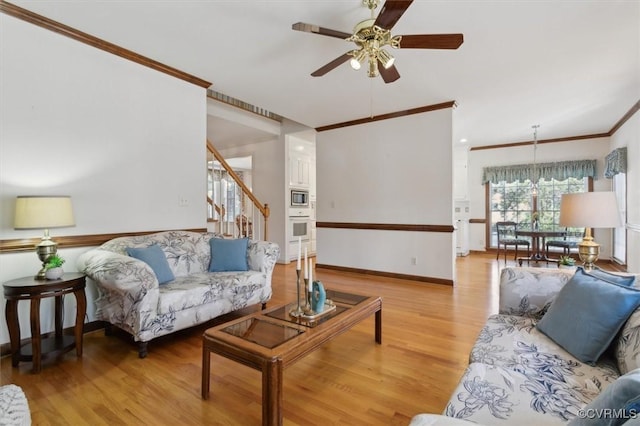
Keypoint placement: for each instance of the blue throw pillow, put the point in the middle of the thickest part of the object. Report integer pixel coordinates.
(587, 314)
(228, 255)
(154, 257)
(627, 280)
(621, 398)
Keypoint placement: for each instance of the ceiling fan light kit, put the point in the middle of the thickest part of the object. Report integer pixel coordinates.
(358, 57)
(372, 35)
(385, 58)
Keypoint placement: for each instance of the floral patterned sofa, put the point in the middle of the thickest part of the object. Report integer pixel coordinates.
(14, 407)
(131, 298)
(517, 375)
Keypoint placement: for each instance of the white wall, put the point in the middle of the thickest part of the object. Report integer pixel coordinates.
(588, 149)
(629, 135)
(397, 171)
(460, 173)
(126, 142)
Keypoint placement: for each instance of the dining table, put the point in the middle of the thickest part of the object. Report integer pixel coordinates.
(538, 243)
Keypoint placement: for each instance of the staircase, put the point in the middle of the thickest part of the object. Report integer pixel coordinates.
(232, 207)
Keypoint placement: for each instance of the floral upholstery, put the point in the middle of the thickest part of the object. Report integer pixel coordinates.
(628, 344)
(517, 375)
(130, 297)
(528, 292)
(537, 378)
(489, 395)
(14, 407)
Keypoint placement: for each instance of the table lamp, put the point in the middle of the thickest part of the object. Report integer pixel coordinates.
(43, 212)
(589, 210)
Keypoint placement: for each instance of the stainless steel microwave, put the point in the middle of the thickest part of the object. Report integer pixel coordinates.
(299, 198)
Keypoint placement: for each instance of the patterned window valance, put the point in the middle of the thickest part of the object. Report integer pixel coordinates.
(615, 162)
(521, 172)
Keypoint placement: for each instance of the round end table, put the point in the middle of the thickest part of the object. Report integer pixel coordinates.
(28, 288)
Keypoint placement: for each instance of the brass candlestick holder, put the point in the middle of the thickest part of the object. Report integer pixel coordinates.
(298, 311)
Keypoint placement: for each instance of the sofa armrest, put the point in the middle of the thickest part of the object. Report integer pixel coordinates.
(262, 256)
(14, 407)
(128, 288)
(528, 292)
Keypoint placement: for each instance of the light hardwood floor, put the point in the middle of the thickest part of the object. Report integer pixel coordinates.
(427, 333)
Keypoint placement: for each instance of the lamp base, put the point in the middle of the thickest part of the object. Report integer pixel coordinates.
(44, 250)
(588, 251)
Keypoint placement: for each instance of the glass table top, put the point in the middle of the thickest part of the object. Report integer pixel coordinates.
(271, 334)
(282, 313)
(263, 333)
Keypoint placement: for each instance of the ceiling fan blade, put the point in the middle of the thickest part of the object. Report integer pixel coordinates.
(431, 41)
(389, 75)
(331, 65)
(391, 11)
(310, 28)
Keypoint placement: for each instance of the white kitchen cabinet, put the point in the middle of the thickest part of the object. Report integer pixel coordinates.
(299, 170)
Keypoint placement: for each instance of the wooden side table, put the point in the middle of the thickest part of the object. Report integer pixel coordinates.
(28, 288)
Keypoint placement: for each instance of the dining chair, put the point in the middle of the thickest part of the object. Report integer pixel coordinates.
(565, 244)
(507, 236)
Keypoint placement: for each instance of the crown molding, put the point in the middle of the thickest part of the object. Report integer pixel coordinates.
(543, 141)
(388, 116)
(635, 108)
(67, 31)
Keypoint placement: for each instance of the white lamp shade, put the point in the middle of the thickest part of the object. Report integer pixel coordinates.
(589, 210)
(43, 212)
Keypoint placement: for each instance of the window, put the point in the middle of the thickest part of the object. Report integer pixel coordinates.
(514, 202)
(226, 198)
(616, 169)
(620, 234)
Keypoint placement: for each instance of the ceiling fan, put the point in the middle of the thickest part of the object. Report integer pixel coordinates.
(372, 35)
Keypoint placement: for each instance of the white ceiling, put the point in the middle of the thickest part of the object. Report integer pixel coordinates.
(571, 66)
(225, 133)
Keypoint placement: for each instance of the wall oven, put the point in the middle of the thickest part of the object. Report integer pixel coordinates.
(300, 227)
(299, 198)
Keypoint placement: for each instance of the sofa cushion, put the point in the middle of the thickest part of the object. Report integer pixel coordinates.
(492, 395)
(232, 288)
(228, 255)
(587, 314)
(621, 400)
(155, 258)
(514, 343)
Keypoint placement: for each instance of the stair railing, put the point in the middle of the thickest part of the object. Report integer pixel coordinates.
(251, 222)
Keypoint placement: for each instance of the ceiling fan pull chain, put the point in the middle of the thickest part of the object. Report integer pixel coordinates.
(371, 97)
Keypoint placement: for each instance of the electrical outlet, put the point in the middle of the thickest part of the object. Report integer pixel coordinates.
(414, 261)
(183, 202)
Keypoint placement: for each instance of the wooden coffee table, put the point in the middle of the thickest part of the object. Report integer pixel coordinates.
(271, 340)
